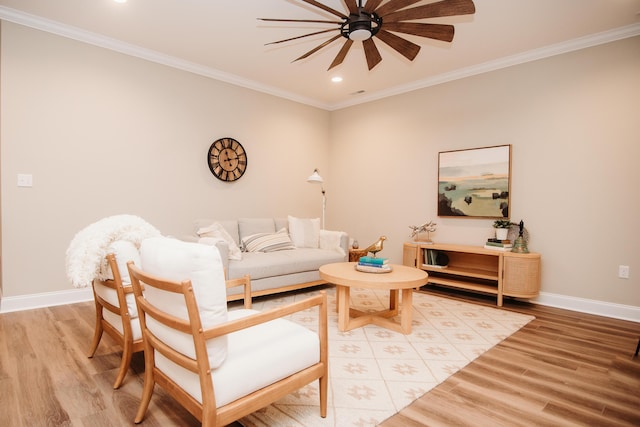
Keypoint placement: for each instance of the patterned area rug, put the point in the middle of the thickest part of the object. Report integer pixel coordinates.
(375, 372)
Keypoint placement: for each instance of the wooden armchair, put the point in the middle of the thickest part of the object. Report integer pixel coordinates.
(116, 312)
(219, 365)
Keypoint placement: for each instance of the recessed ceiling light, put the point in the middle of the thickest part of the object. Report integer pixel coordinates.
(336, 79)
(120, 1)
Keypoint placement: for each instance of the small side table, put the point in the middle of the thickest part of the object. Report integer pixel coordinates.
(355, 254)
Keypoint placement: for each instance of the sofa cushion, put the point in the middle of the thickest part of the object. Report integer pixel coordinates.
(268, 242)
(249, 226)
(201, 264)
(304, 232)
(260, 264)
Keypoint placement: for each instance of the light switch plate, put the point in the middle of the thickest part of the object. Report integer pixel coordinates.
(25, 180)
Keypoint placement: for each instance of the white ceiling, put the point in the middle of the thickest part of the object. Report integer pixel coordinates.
(223, 39)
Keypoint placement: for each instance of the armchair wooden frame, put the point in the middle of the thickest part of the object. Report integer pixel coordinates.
(125, 339)
(207, 412)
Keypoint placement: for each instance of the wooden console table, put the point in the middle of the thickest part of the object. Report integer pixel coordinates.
(478, 269)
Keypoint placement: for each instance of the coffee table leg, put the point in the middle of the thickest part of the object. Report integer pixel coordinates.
(343, 307)
(406, 315)
(393, 299)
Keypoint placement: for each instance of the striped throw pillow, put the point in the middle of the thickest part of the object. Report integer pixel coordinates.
(268, 242)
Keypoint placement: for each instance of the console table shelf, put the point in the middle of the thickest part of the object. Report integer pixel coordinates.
(478, 269)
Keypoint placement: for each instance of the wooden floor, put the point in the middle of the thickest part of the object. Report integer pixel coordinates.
(563, 368)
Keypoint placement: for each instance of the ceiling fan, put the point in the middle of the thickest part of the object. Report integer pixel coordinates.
(381, 19)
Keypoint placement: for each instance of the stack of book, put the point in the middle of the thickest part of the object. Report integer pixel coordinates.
(500, 245)
(373, 265)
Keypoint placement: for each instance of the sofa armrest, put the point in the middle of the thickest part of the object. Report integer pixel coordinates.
(344, 244)
(223, 248)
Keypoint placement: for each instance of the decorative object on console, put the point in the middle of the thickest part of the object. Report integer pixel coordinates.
(520, 245)
(315, 178)
(475, 182)
(227, 159)
(428, 227)
(502, 228)
(376, 247)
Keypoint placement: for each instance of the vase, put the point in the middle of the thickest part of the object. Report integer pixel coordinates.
(501, 233)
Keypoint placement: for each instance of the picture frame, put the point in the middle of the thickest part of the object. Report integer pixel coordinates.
(475, 182)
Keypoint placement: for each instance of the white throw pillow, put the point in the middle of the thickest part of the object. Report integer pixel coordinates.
(216, 230)
(305, 232)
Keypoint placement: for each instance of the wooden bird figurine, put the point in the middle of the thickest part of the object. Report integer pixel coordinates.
(377, 246)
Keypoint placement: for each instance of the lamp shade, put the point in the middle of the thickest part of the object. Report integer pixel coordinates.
(315, 177)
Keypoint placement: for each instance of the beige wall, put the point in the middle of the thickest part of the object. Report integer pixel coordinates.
(574, 126)
(103, 133)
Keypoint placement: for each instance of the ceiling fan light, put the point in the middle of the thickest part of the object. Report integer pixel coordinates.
(360, 35)
(360, 30)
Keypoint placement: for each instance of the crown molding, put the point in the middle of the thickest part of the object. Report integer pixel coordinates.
(71, 32)
(508, 61)
(39, 23)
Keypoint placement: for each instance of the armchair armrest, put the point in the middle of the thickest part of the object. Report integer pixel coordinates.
(242, 281)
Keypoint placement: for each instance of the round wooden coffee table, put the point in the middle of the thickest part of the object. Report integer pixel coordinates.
(401, 278)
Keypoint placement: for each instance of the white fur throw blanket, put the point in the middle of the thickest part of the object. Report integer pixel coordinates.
(86, 253)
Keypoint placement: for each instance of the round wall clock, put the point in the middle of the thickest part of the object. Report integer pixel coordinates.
(227, 159)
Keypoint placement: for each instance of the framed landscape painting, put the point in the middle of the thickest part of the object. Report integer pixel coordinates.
(475, 182)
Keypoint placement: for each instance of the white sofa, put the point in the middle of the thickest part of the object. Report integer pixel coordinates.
(280, 254)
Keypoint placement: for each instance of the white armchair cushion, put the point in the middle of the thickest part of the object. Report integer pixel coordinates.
(124, 252)
(178, 260)
(116, 321)
(283, 346)
(305, 232)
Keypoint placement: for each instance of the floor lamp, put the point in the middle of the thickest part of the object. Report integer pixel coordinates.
(315, 178)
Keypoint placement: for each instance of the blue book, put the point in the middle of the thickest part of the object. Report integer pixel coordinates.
(371, 264)
(372, 260)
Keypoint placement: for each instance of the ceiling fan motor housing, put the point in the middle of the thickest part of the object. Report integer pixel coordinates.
(362, 26)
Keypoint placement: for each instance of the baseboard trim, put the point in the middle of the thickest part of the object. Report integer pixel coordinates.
(583, 305)
(72, 296)
(45, 299)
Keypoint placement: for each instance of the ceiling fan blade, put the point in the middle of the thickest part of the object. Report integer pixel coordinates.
(371, 53)
(433, 31)
(433, 10)
(406, 48)
(300, 37)
(314, 50)
(371, 5)
(325, 8)
(300, 20)
(393, 5)
(342, 54)
(352, 6)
